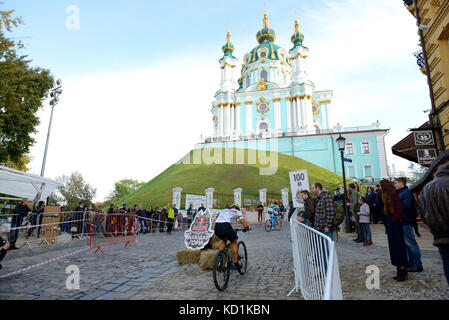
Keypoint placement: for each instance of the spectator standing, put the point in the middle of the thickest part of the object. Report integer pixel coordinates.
(371, 201)
(364, 219)
(308, 215)
(354, 208)
(201, 208)
(324, 210)
(393, 223)
(20, 211)
(170, 217)
(77, 218)
(140, 214)
(411, 212)
(260, 210)
(291, 210)
(179, 218)
(36, 219)
(189, 215)
(434, 204)
(163, 218)
(150, 216)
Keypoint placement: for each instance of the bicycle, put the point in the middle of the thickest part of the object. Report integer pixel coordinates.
(224, 260)
(276, 224)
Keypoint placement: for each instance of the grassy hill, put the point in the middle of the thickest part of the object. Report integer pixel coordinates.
(195, 178)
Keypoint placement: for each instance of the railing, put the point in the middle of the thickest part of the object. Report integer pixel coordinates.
(45, 228)
(315, 263)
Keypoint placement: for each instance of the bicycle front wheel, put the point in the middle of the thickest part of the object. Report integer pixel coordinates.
(268, 225)
(221, 270)
(243, 257)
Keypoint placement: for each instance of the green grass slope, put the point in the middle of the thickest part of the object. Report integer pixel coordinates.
(195, 178)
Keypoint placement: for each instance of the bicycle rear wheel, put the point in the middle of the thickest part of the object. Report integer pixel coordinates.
(243, 257)
(221, 270)
(277, 224)
(268, 225)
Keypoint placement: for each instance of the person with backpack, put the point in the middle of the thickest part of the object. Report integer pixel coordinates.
(324, 211)
(364, 220)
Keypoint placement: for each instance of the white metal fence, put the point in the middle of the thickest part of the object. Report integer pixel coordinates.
(315, 263)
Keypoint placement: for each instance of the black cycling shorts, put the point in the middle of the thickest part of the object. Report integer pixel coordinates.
(225, 231)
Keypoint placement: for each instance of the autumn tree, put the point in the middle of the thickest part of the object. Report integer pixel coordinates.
(22, 91)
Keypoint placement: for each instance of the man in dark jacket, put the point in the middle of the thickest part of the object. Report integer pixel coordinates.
(20, 211)
(411, 212)
(324, 211)
(434, 204)
(308, 215)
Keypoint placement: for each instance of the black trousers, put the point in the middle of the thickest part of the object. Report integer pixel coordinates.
(170, 223)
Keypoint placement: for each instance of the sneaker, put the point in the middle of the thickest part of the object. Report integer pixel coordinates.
(13, 247)
(414, 269)
(236, 266)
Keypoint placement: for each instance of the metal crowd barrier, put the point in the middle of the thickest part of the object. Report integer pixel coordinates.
(315, 263)
(45, 228)
(111, 229)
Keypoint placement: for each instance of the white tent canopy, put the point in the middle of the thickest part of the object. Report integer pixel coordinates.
(24, 185)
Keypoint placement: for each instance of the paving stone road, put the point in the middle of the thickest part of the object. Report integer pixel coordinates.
(149, 270)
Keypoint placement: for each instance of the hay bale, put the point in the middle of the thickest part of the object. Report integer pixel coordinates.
(214, 242)
(187, 256)
(207, 259)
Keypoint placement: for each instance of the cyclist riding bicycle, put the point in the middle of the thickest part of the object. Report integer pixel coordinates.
(224, 230)
(273, 211)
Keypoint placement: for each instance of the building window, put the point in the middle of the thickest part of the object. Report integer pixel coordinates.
(365, 147)
(247, 81)
(264, 75)
(349, 148)
(351, 172)
(368, 171)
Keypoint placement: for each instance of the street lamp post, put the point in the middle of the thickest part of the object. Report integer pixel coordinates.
(55, 92)
(341, 141)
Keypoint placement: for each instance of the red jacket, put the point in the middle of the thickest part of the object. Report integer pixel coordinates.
(399, 214)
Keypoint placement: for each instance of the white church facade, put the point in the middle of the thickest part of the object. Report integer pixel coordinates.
(274, 103)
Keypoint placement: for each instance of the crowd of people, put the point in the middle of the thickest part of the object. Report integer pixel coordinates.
(392, 204)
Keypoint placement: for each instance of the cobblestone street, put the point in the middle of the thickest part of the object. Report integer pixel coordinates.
(149, 270)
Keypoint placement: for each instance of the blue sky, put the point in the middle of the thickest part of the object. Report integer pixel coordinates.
(139, 76)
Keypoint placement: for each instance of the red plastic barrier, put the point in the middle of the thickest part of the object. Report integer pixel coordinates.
(111, 229)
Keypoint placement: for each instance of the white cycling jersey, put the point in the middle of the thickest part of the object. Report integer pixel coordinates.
(229, 216)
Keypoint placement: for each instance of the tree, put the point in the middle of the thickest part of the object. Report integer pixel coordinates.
(22, 91)
(122, 189)
(73, 190)
(417, 170)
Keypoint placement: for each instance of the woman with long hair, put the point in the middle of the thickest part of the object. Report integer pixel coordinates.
(393, 222)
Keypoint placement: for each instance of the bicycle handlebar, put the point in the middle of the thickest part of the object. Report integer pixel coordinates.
(241, 230)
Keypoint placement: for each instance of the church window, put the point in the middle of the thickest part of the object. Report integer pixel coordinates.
(264, 75)
(247, 81)
(263, 54)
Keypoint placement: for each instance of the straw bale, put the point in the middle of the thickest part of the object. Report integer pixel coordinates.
(207, 259)
(187, 256)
